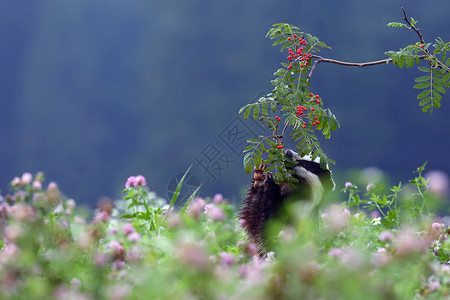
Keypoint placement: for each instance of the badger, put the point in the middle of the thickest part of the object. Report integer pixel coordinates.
(266, 199)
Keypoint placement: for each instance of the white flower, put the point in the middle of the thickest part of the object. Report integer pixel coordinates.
(436, 245)
(376, 221)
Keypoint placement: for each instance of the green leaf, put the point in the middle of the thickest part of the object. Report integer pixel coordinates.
(423, 78)
(242, 109)
(409, 60)
(248, 168)
(279, 41)
(424, 69)
(177, 190)
(425, 101)
(437, 96)
(256, 109)
(438, 80)
(446, 77)
(128, 216)
(423, 94)
(247, 111)
(264, 109)
(439, 88)
(422, 85)
(426, 108)
(274, 106)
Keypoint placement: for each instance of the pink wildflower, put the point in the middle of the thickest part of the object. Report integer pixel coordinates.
(436, 226)
(439, 183)
(134, 237)
(140, 180)
(216, 214)
(26, 178)
(37, 185)
(380, 259)
(118, 264)
(386, 236)
(134, 181)
(218, 198)
(15, 182)
(226, 258)
(336, 252)
(101, 216)
(131, 182)
(52, 186)
(208, 207)
(196, 207)
(348, 185)
(127, 229)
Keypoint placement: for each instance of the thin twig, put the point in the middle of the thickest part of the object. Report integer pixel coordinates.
(405, 18)
(320, 59)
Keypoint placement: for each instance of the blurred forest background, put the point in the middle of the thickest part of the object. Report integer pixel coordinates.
(93, 92)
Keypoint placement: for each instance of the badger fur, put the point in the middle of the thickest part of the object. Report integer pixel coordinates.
(266, 198)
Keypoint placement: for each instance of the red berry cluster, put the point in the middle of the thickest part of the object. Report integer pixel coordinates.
(317, 97)
(280, 147)
(300, 110)
(298, 54)
(278, 118)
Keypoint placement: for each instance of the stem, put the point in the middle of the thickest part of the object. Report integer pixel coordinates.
(428, 54)
(405, 18)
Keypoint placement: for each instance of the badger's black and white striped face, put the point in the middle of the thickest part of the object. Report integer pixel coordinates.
(309, 171)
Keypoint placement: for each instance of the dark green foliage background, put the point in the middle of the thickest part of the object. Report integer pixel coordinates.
(92, 92)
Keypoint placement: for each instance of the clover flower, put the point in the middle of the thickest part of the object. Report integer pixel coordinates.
(134, 181)
(127, 229)
(386, 236)
(26, 178)
(370, 187)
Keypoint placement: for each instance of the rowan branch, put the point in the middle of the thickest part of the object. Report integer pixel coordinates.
(320, 59)
(405, 18)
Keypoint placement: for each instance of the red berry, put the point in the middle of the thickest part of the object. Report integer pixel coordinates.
(304, 123)
(315, 118)
(280, 146)
(301, 65)
(311, 94)
(289, 67)
(312, 109)
(318, 101)
(317, 122)
(301, 49)
(317, 96)
(421, 46)
(289, 38)
(295, 36)
(304, 42)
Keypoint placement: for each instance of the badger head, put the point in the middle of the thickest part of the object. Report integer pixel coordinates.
(314, 182)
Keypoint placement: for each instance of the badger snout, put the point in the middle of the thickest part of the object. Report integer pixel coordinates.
(290, 153)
